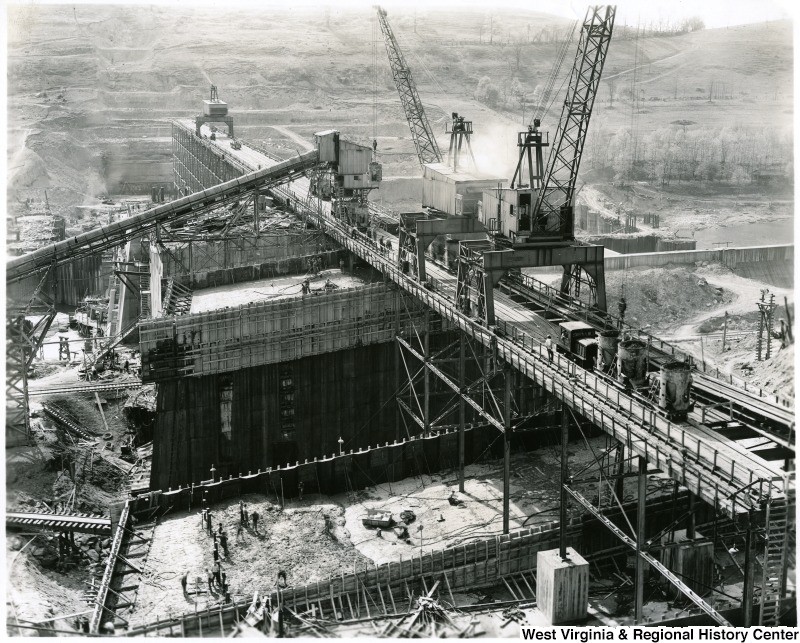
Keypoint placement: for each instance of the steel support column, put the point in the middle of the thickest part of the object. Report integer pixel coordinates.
(426, 403)
(462, 406)
(749, 576)
(563, 518)
(397, 359)
(641, 565)
(507, 449)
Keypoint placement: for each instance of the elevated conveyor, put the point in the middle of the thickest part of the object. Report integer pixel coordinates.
(96, 241)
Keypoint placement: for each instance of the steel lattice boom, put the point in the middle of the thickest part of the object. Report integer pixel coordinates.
(553, 210)
(421, 132)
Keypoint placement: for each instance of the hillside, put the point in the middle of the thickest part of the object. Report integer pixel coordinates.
(126, 72)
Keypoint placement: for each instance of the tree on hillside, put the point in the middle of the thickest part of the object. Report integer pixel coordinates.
(516, 51)
(695, 23)
(740, 176)
(611, 83)
(487, 92)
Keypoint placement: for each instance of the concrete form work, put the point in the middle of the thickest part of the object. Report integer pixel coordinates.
(346, 438)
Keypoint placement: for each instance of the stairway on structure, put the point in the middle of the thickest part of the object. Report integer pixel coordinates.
(776, 552)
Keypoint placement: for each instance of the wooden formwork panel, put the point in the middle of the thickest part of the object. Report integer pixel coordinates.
(268, 332)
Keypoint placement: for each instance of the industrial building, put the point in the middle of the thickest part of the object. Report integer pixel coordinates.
(367, 402)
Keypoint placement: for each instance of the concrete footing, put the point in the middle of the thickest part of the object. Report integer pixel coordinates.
(692, 559)
(562, 586)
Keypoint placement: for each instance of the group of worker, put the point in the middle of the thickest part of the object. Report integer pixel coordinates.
(315, 265)
(384, 246)
(215, 575)
(244, 520)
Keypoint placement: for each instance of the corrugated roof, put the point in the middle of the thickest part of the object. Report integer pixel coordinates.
(462, 175)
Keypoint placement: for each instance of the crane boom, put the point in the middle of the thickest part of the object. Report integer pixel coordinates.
(421, 132)
(553, 211)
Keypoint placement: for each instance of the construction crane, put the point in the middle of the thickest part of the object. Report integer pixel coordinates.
(534, 218)
(553, 211)
(421, 132)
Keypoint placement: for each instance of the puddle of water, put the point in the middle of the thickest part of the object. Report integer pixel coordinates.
(764, 233)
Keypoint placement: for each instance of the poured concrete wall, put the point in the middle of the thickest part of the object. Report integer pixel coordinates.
(731, 257)
(266, 270)
(72, 282)
(197, 261)
(638, 243)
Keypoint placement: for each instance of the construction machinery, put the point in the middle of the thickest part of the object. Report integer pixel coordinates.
(532, 222)
(421, 132)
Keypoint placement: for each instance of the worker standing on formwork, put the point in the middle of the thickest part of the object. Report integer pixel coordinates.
(217, 571)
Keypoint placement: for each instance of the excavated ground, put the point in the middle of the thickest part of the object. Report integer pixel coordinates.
(320, 536)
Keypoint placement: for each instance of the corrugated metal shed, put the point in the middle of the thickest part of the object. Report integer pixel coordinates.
(441, 186)
(354, 159)
(326, 143)
(215, 108)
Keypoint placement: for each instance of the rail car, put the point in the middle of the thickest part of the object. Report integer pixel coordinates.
(625, 364)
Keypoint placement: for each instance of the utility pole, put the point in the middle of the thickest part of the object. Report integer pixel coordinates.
(491, 30)
(725, 331)
(765, 320)
(788, 320)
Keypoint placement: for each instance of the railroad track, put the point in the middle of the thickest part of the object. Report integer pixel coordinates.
(83, 523)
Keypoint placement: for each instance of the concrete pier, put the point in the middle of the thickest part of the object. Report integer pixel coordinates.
(562, 586)
(691, 559)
